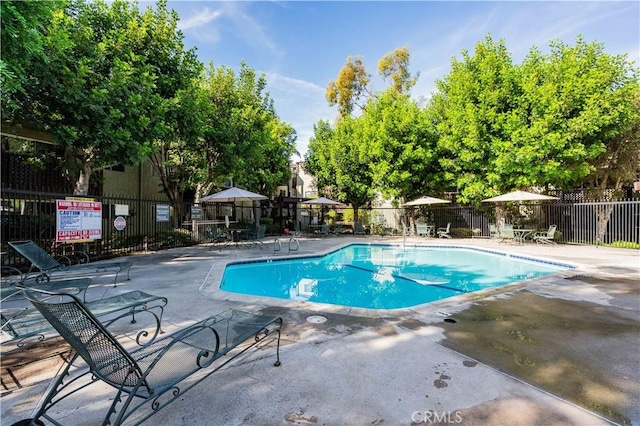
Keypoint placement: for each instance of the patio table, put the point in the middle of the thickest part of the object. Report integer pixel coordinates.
(237, 237)
(520, 234)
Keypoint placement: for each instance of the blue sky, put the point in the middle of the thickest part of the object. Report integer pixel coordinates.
(301, 45)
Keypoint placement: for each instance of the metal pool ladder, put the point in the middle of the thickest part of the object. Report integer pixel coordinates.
(277, 246)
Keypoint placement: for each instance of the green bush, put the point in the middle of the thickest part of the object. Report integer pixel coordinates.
(174, 237)
(461, 232)
(623, 244)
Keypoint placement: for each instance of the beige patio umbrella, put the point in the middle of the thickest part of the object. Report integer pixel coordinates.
(322, 201)
(519, 196)
(232, 194)
(425, 201)
(422, 201)
(514, 196)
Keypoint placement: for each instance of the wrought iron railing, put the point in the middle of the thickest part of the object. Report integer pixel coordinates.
(157, 224)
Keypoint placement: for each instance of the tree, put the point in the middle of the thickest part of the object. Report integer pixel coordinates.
(617, 166)
(341, 163)
(575, 102)
(24, 26)
(402, 144)
(242, 138)
(317, 160)
(350, 87)
(395, 66)
(108, 93)
(474, 111)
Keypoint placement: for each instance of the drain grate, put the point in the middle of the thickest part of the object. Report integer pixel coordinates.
(316, 319)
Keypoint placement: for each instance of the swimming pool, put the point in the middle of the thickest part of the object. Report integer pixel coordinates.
(383, 276)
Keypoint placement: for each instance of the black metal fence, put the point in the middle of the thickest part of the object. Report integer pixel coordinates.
(156, 224)
(581, 223)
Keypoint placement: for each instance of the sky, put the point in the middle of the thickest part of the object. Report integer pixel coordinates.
(301, 45)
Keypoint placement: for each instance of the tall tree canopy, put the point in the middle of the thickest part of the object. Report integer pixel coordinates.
(240, 137)
(473, 110)
(395, 66)
(574, 103)
(108, 88)
(402, 144)
(384, 148)
(541, 123)
(244, 140)
(351, 88)
(24, 25)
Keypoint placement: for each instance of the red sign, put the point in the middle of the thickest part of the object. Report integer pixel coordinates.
(78, 220)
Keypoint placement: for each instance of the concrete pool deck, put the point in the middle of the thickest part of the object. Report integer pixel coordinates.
(360, 367)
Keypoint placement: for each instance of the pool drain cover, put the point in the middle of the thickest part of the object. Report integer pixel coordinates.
(316, 319)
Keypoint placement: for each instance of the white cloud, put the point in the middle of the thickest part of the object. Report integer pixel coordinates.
(299, 103)
(199, 19)
(250, 29)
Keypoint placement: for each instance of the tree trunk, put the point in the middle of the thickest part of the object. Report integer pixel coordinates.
(603, 214)
(82, 184)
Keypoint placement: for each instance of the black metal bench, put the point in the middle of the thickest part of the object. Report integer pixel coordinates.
(25, 325)
(150, 377)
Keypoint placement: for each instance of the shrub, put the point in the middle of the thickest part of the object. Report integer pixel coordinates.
(461, 232)
(624, 244)
(174, 237)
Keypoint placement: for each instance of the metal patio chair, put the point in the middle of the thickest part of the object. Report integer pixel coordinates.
(422, 230)
(546, 237)
(444, 232)
(46, 265)
(507, 235)
(150, 376)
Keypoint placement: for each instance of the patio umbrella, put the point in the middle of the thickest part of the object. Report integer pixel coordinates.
(519, 196)
(424, 201)
(232, 194)
(514, 196)
(323, 202)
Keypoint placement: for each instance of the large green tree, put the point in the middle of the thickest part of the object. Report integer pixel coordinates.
(575, 102)
(108, 90)
(340, 157)
(24, 25)
(318, 156)
(474, 109)
(401, 143)
(244, 140)
(543, 123)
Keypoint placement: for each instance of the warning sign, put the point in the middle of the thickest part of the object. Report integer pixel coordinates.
(78, 221)
(119, 223)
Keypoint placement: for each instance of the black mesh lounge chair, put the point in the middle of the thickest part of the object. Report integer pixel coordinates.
(45, 265)
(150, 377)
(24, 325)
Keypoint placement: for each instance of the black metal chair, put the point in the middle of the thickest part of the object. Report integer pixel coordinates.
(151, 375)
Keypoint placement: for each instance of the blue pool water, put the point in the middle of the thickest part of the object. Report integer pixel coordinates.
(378, 276)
